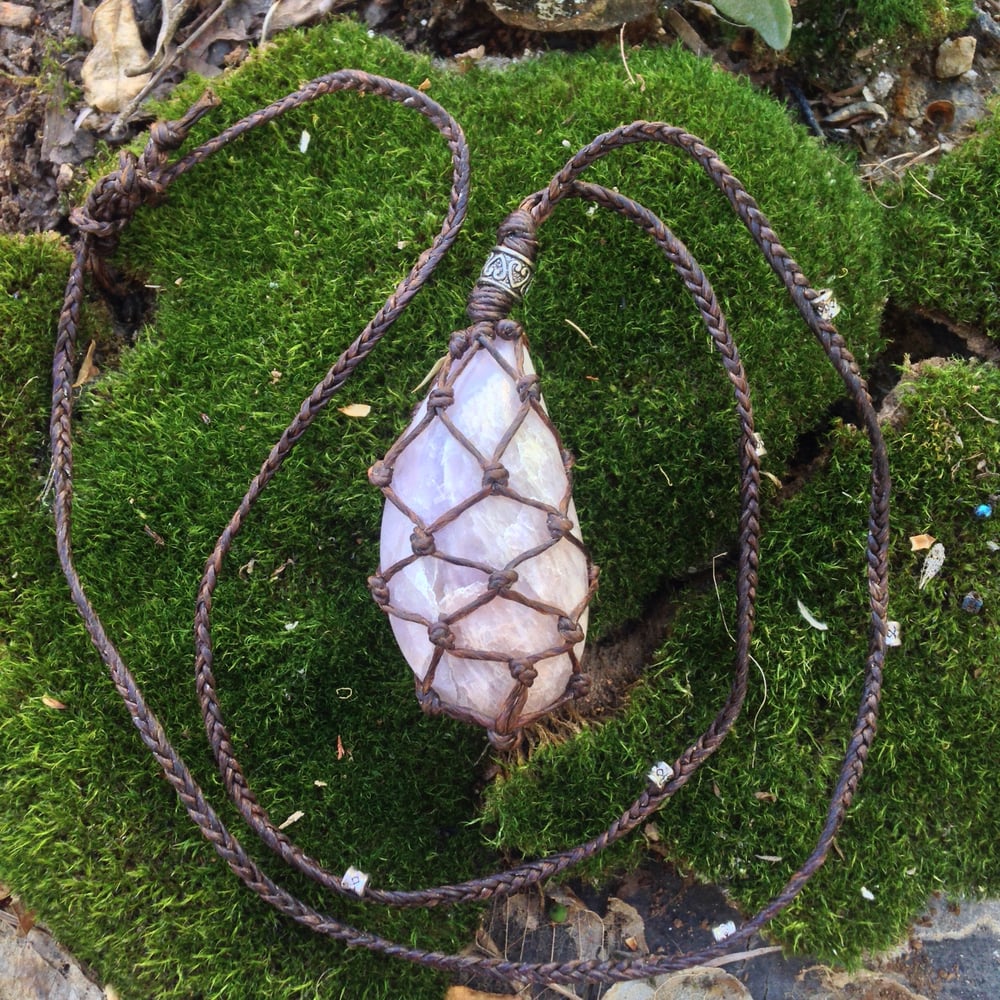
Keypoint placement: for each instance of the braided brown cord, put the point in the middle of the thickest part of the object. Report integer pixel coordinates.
(140, 180)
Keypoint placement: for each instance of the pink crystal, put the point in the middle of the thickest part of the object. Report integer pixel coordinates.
(434, 473)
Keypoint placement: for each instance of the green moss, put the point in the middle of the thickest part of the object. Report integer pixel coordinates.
(269, 263)
(946, 229)
(926, 815)
(886, 30)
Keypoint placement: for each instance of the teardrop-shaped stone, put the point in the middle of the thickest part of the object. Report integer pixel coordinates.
(483, 571)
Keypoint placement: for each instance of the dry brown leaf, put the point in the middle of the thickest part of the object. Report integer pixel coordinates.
(25, 917)
(293, 13)
(425, 85)
(920, 542)
(88, 370)
(464, 993)
(49, 702)
(765, 796)
(117, 49)
(355, 410)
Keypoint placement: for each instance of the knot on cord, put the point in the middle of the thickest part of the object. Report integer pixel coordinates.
(501, 580)
(495, 476)
(570, 630)
(379, 590)
(523, 673)
(422, 542)
(380, 474)
(440, 398)
(441, 635)
(558, 525)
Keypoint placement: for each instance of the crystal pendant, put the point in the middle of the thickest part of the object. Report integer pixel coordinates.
(483, 572)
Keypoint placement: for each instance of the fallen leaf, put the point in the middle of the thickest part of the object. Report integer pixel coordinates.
(49, 702)
(294, 13)
(25, 917)
(340, 748)
(281, 569)
(424, 86)
(919, 542)
(932, 565)
(765, 796)
(88, 370)
(294, 818)
(355, 410)
(117, 49)
(156, 536)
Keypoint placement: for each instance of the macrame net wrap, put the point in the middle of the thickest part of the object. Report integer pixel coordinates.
(484, 575)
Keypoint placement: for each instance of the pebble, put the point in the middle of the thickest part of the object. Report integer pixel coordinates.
(955, 57)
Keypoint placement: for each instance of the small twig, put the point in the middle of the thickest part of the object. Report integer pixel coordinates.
(119, 124)
(171, 19)
(621, 49)
(718, 596)
(806, 110)
(266, 26)
(989, 420)
(742, 956)
(569, 322)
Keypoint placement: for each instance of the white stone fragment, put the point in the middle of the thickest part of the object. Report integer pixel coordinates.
(955, 56)
(866, 893)
(304, 140)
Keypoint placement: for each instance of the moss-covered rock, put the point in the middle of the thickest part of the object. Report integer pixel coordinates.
(945, 225)
(830, 38)
(926, 817)
(268, 262)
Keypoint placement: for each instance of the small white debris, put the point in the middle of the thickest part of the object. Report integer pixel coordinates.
(758, 445)
(993, 546)
(892, 634)
(567, 143)
(304, 141)
(722, 931)
(811, 618)
(291, 626)
(355, 410)
(826, 305)
(294, 818)
(660, 773)
(932, 565)
(355, 880)
(866, 893)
